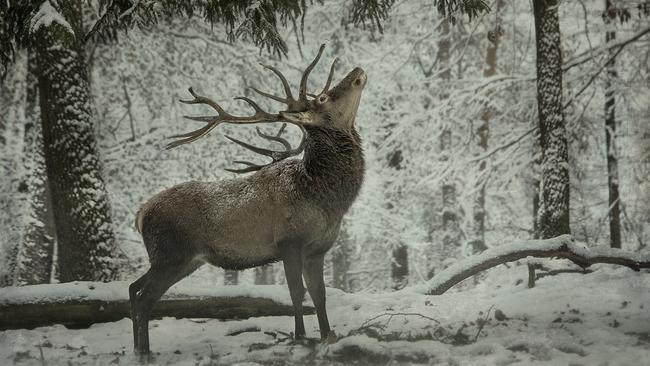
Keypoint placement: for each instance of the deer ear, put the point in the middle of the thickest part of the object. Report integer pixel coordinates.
(301, 118)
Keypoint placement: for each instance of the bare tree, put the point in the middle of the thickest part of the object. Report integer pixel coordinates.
(483, 132)
(451, 235)
(610, 132)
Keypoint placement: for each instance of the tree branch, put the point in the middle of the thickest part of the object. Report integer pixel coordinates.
(560, 247)
(590, 54)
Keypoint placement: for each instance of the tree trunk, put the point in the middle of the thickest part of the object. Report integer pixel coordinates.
(80, 205)
(399, 256)
(10, 100)
(264, 275)
(451, 234)
(554, 186)
(34, 260)
(230, 277)
(610, 136)
(400, 267)
(341, 254)
(478, 242)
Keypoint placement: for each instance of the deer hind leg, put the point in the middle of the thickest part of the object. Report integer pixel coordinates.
(313, 274)
(292, 260)
(134, 288)
(147, 290)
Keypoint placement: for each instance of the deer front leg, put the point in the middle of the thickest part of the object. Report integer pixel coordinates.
(313, 273)
(292, 260)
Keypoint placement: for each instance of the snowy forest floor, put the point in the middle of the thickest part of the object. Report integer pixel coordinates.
(602, 318)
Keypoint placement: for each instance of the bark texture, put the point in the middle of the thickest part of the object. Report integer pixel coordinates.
(554, 185)
(610, 137)
(34, 259)
(79, 199)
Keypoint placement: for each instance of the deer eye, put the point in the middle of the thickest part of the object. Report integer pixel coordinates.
(322, 99)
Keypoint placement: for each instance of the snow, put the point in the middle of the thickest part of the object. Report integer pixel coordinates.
(119, 291)
(556, 323)
(595, 319)
(562, 242)
(45, 16)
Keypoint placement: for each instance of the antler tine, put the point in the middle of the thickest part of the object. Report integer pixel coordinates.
(285, 83)
(276, 138)
(330, 76)
(274, 155)
(253, 148)
(222, 117)
(258, 111)
(289, 100)
(199, 99)
(250, 167)
(302, 93)
(270, 96)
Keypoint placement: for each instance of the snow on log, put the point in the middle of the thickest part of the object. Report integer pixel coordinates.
(80, 304)
(562, 246)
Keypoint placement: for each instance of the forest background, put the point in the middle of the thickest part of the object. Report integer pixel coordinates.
(449, 122)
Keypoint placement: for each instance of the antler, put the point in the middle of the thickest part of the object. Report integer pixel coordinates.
(274, 155)
(222, 117)
(301, 103)
(293, 105)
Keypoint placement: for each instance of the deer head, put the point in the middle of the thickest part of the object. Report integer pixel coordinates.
(332, 108)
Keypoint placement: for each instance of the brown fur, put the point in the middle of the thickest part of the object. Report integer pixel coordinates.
(289, 211)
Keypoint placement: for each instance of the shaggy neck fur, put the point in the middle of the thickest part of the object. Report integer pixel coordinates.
(333, 161)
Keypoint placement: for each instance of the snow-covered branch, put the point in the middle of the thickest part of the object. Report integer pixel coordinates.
(560, 247)
(590, 54)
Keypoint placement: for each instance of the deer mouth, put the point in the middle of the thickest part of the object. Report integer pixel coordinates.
(359, 77)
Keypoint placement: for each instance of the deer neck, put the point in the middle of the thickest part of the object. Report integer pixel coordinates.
(334, 167)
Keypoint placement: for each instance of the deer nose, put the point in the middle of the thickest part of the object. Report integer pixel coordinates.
(361, 78)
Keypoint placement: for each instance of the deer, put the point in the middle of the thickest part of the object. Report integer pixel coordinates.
(288, 210)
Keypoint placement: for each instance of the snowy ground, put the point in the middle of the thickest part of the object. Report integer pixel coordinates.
(601, 318)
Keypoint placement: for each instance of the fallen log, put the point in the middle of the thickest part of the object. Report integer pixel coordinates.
(562, 246)
(80, 304)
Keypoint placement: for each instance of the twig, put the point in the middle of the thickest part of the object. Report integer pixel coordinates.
(590, 54)
(502, 147)
(40, 350)
(482, 324)
(366, 324)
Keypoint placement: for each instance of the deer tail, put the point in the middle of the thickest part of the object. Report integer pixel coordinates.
(138, 219)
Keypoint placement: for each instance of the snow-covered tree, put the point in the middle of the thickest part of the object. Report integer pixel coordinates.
(554, 185)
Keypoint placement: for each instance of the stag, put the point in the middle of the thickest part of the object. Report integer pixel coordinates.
(288, 210)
